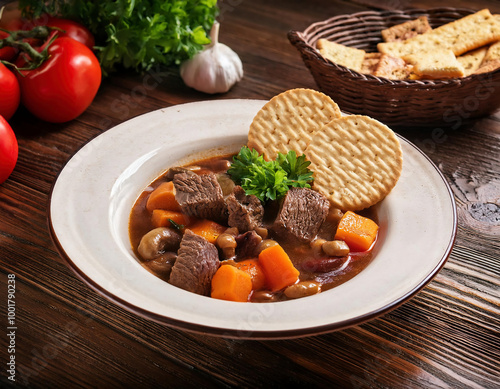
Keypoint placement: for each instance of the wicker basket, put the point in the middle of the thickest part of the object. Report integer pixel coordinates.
(398, 103)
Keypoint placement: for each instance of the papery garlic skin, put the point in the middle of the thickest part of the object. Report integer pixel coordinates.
(215, 69)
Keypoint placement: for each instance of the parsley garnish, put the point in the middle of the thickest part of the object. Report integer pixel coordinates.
(269, 180)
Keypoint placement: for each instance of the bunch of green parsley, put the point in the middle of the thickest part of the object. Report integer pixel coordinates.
(269, 180)
(137, 34)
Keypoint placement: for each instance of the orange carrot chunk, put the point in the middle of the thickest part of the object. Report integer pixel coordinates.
(163, 197)
(254, 270)
(162, 217)
(357, 231)
(208, 229)
(278, 268)
(231, 283)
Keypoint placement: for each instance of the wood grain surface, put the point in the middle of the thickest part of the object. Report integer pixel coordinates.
(447, 336)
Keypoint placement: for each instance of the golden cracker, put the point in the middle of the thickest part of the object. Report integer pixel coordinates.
(356, 161)
(493, 53)
(406, 30)
(393, 68)
(460, 36)
(488, 67)
(349, 57)
(288, 120)
(472, 60)
(436, 64)
(370, 63)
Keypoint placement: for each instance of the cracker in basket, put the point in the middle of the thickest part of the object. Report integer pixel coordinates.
(460, 36)
(436, 64)
(349, 57)
(488, 67)
(491, 60)
(406, 30)
(392, 68)
(356, 161)
(370, 63)
(493, 53)
(288, 120)
(472, 60)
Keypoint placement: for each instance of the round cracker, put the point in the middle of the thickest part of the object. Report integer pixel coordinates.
(288, 120)
(356, 161)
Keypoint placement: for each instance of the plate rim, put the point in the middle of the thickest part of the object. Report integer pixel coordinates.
(254, 334)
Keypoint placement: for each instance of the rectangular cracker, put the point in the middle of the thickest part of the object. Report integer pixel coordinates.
(403, 31)
(349, 57)
(472, 60)
(488, 67)
(370, 63)
(392, 68)
(436, 64)
(493, 53)
(460, 36)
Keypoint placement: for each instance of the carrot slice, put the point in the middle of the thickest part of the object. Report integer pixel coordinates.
(163, 197)
(208, 229)
(278, 268)
(357, 231)
(231, 283)
(253, 268)
(162, 217)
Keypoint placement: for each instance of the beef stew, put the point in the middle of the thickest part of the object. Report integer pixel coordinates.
(205, 221)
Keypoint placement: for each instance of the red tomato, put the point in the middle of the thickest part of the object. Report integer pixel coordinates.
(72, 29)
(16, 24)
(9, 92)
(8, 150)
(65, 85)
(6, 53)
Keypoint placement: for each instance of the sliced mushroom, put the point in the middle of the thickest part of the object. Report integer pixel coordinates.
(162, 265)
(158, 241)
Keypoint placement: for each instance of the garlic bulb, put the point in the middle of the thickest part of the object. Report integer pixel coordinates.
(215, 69)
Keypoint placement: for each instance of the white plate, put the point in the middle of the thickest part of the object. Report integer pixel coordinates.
(94, 193)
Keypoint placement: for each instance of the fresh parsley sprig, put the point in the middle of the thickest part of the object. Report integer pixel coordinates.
(138, 35)
(269, 180)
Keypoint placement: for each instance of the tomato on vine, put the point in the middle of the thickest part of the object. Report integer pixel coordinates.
(69, 28)
(9, 92)
(6, 53)
(64, 85)
(59, 76)
(8, 150)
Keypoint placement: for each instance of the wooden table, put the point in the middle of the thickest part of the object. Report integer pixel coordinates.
(447, 336)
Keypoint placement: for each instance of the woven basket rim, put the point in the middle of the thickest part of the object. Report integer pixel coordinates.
(382, 80)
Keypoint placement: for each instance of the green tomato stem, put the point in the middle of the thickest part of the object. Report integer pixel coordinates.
(16, 39)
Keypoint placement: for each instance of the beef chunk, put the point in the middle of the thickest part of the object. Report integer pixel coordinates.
(247, 245)
(301, 215)
(196, 263)
(245, 212)
(200, 196)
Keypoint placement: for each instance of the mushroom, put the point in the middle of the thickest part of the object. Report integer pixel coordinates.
(158, 241)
